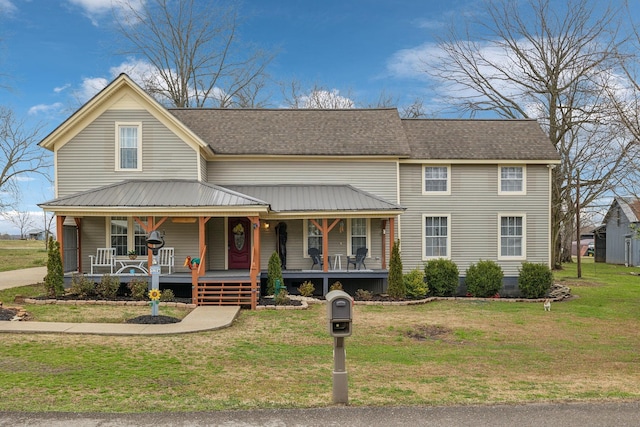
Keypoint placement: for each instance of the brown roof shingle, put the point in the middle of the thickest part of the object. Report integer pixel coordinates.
(471, 139)
(349, 132)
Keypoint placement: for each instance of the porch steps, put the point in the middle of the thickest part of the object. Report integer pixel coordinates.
(224, 292)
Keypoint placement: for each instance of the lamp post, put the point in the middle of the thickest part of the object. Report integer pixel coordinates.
(155, 241)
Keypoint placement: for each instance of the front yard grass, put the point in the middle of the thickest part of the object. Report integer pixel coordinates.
(442, 353)
(15, 254)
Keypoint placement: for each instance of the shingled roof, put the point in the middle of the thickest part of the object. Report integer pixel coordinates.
(468, 139)
(304, 132)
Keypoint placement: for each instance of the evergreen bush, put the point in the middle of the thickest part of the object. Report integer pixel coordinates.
(484, 279)
(274, 272)
(414, 284)
(282, 298)
(535, 280)
(54, 280)
(363, 295)
(442, 277)
(337, 286)
(167, 295)
(306, 289)
(396, 287)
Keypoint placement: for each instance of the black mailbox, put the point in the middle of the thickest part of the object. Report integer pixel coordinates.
(339, 313)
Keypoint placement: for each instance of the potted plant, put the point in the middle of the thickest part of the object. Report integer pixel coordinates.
(132, 254)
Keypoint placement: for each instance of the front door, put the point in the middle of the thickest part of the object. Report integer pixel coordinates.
(239, 243)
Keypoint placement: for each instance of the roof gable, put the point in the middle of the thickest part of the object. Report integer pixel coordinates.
(122, 93)
(629, 206)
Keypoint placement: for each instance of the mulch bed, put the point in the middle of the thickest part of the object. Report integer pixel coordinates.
(153, 320)
(7, 313)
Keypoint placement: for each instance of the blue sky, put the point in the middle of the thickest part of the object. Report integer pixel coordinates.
(56, 54)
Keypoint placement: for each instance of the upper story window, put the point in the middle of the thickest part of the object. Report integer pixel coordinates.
(512, 180)
(437, 180)
(129, 146)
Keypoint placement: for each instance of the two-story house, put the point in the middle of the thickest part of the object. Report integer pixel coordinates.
(231, 187)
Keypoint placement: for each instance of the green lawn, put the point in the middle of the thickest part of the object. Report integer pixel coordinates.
(16, 254)
(442, 353)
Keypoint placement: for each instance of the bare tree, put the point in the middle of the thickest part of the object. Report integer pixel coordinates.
(315, 97)
(21, 219)
(20, 155)
(194, 49)
(557, 63)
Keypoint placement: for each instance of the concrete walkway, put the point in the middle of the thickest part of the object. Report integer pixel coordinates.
(204, 318)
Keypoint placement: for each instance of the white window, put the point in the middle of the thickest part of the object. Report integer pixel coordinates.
(358, 234)
(128, 146)
(436, 240)
(437, 180)
(314, 236)
(512, 236)
(512, 180)
(126, 234)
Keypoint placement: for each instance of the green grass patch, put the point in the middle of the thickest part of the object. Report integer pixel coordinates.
(442, 353)
(17, 254)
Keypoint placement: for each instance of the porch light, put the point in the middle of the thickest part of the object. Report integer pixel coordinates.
(266, 225)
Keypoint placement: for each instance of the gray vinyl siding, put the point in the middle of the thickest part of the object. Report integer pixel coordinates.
(617, 230)
(94, 235)
(474, 206)
(378, 178)
(88, 160)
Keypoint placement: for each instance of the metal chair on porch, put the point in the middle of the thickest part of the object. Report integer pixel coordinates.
(358, 260)
(316, 258)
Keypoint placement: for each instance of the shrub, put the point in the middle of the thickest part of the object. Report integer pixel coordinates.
(534, 280)
(167, 295)
(414, 284)
(282, 298)
(138, 288)
(484, 279)
(82, 286)
(54, 280)
(396, 287)
(274, 272)
(363, 295)
(442, 277)
(337, 286)
(306, 289)
(108, 287)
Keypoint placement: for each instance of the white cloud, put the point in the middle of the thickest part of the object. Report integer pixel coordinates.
(89, 87)
(61, 88)
(45, 108)
(97, 9)
(410, 63)
(7, 7)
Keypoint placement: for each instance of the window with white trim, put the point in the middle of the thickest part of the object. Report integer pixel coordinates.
(129, 146)
(437, 180)
(512, 180)
(126, 234)
(512, 236)
(436, 236)
(314, 236)
(358, 234)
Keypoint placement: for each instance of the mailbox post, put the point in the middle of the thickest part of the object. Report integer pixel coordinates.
(155, 241)
(339, 313)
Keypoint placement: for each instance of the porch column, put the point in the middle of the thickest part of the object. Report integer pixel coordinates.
(79, 255)
(325, 228)
(392, 233)
(255, 260)
(60, 237)
(383, 257)
(202, 222)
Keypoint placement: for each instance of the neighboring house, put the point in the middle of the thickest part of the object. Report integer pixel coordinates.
(233, 186)
(37, 235)
(622, 242)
